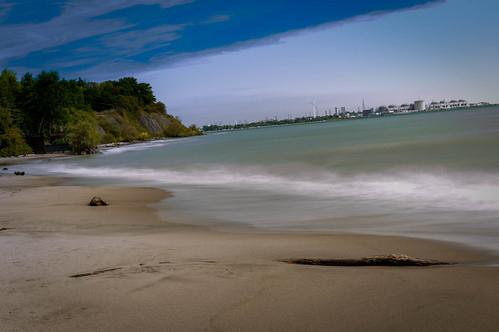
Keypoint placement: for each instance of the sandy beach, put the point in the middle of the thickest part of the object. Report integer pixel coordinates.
(66, 266)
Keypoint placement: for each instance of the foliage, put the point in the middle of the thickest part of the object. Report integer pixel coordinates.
(12, 141)
(82, 133)
(143, 136)
(47, 109)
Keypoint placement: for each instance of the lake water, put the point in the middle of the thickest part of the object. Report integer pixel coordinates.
(432, 175)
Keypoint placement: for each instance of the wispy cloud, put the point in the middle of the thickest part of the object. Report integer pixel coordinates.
(77, 21)
(216, 19)
(141, 40)
(5, 7)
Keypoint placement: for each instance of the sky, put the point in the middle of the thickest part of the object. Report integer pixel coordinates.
(216, 61)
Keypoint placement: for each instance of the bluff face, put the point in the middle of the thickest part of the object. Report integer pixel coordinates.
(118, 126)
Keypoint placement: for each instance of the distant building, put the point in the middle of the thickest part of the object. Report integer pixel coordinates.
(439, 105)
(404, 108)
(419, 105)
(367, 112)
(392, 108)
(381, 110)
(448, 105)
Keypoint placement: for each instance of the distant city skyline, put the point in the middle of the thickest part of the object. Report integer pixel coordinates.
(408, 107)
(211, 61)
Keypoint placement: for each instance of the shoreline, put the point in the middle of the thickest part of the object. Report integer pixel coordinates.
(122, 268)
(492, 257)
(19, 160)
(10, 161)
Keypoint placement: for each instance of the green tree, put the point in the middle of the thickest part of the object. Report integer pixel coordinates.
(12, 141)
(8, 89)
(82, 133)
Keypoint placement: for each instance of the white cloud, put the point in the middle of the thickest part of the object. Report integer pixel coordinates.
(141, 40)
(216, 19)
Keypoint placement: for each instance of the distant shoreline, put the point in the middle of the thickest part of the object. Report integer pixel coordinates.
(322, 119)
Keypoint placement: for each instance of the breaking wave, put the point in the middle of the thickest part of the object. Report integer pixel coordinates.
(465, 192)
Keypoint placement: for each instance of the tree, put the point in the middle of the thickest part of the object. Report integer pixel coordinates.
(8, 89)
(12, 141)
(82, 133)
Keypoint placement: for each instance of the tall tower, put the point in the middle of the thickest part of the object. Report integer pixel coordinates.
(314, 109)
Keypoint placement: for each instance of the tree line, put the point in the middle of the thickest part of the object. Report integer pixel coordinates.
(47, 110)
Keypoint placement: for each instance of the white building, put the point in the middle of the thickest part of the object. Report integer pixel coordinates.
(392, 108)
(448, 105)
(419, 105)
(404, 108)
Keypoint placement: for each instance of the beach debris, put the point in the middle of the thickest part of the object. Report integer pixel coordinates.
(5, 169)
(379, 260)
(93, 273)
(19, 173)
(4, 229)
(97, 201)
(148, 268)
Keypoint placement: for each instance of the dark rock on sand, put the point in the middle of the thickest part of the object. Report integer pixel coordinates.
(97, 201)
(382, 260)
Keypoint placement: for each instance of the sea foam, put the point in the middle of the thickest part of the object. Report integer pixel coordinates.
(466, 192)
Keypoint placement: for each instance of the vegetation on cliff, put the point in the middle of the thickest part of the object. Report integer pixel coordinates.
(46, 110)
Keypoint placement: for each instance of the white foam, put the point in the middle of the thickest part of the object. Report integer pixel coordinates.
(137, 146)
(424, 190)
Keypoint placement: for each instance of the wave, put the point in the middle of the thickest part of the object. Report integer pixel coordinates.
(136, 147)
(464, 192)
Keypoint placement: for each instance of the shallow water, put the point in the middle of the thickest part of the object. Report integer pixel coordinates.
(432, 175)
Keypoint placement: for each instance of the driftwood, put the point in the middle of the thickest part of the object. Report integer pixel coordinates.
(93, 273)
(381, 260)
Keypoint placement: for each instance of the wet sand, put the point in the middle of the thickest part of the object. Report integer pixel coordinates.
(69, 267)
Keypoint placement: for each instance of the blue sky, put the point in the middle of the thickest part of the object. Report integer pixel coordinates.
(225, 61)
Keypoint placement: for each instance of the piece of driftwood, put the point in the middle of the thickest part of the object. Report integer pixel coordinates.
(93, 273)
(380, 260)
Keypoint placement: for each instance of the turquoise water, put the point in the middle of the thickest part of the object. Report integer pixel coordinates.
(433, 175)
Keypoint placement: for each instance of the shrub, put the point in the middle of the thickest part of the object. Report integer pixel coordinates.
(143, 136)
(82, 133)
(12, 143)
